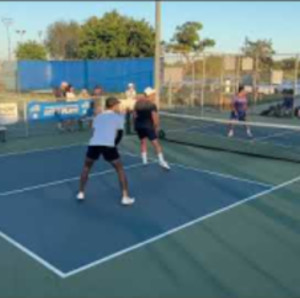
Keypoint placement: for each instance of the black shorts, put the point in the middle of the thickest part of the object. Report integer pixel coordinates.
(149, 133)
(109, 153)
(240, 116)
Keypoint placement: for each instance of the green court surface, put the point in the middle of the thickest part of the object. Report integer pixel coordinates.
(250, 250)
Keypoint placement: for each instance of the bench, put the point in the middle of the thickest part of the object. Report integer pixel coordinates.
(3, 133)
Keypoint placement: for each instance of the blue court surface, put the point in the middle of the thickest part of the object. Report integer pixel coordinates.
(39, 213)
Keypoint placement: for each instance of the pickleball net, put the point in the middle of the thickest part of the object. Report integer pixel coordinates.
(268, 140)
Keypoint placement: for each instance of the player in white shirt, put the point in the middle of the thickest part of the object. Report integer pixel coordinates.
(108, 130)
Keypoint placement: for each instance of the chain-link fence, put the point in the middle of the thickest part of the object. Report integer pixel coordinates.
(207, 81)
(8, 76)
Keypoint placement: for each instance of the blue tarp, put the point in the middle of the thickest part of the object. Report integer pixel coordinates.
(112, 75)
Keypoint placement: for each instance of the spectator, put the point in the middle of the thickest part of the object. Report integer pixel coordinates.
(97, 92)
(130, 92)
(70, 93)
(57, 92)
(84, 94)
(63, 88)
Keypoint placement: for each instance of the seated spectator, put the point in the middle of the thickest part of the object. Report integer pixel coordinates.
(58, 94)
(70, 93)
(288, 99)
(97, 92)
(84, 94)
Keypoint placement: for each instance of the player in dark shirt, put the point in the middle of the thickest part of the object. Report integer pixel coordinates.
(146, 124)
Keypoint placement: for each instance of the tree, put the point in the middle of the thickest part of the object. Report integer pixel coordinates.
(115, 36)
(31, 50)
(187, 39)
(262, 49)
(62, 40)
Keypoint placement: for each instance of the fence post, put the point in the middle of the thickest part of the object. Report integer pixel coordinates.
(203, 82)
(221, 83)
(170, 94)
(85, 73)
(25, 118)
(296, 75)
(237, 83)
(193, 84)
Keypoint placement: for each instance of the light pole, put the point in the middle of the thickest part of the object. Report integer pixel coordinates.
(157, 51)
(40, 34)
(7, 22)
(21, 33)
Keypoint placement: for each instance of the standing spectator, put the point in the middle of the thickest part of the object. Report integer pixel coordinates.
(130, 92)
(63, 88)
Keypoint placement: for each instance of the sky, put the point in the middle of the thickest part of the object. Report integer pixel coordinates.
(228, 23)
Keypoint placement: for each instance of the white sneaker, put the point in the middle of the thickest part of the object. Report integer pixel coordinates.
(249, 133)
(230, 133)
(80, 196)
(145, 162)
(164, 165)
(127, 201)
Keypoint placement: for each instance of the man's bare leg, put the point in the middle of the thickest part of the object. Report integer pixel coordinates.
(88, 163)
(126, 200)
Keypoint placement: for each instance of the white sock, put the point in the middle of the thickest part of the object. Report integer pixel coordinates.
(144, 157)
(161, 157)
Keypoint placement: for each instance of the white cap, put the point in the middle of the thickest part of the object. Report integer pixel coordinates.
(149, 91)
(130, 85)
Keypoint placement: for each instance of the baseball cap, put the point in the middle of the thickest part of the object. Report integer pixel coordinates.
(149, 91)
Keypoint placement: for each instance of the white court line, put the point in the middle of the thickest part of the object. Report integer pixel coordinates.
(226, 176)
(41, 150)
(139, 245)
(58, 182)
(179, 228)
(274, 135)
(32, 255)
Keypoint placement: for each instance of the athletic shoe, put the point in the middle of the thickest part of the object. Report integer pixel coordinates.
(126, 201)
(249, 133)
(80, 196)
(164, 165)
(230, 133)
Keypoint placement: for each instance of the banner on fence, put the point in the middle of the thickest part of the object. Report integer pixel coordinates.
(8, 113)
(43, 111)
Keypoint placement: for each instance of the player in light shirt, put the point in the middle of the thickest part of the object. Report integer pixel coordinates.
(108, 130)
